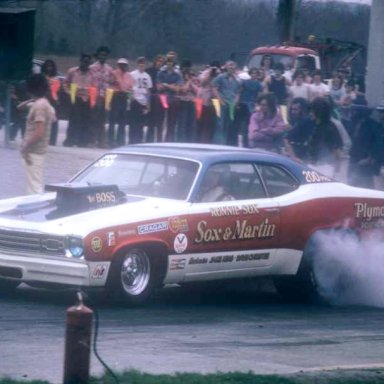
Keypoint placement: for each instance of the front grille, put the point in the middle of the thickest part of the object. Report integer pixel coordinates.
(28, 242)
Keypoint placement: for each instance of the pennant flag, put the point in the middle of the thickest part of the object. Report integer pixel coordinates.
(284, 113)
(198, 107)
(232, 110)
(55, 86)
(108, 98)
(73, 91)
(216, 104)
(164, 100)
(92, 96)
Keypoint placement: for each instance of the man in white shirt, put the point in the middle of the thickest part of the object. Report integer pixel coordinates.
(142, 84)
(318, 88)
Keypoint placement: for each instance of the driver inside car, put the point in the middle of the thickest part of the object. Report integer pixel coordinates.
(212, 186)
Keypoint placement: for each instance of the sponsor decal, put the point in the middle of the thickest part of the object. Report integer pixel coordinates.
(126, 232)
(364, 211)
(177, 264)
(314, 177)
(180, 243)
(241, 230)
(178, 224)
(236, 258)
(99, 271)
(252, 257)
(234, 210)
(153, 227)
(96, 244)
(111, 239)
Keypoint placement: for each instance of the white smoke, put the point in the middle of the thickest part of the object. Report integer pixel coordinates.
(349, 270)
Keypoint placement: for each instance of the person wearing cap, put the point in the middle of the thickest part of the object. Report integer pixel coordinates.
(379, 148)
(122, 86)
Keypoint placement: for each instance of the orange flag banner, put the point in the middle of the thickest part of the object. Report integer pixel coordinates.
(55, 86)
(108, 98)
(164, 100)
(216, 104)
(73, 91)
(92, 96)
(198, 107)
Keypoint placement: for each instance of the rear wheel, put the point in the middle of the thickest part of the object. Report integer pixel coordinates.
(135, 276)
(302, 287)
(323, 274)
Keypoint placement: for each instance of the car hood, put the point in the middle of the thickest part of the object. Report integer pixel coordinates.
(44, 213)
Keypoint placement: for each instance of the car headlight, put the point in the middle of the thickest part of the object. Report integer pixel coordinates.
(74, 248)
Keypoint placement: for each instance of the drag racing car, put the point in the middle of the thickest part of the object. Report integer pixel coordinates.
(147, 215)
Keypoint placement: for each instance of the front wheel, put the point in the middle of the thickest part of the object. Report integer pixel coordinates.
(7, 286)
(135, 276)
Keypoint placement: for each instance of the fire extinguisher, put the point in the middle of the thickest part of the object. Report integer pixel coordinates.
(78, 343)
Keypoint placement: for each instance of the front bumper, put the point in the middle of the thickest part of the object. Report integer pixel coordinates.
(27, 268)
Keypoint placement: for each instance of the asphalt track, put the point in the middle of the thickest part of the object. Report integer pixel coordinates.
(241, 328)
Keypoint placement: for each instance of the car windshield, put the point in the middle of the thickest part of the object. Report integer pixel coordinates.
(142, 175)
(256, 60)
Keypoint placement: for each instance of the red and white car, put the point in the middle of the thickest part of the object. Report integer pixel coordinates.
(148, 215)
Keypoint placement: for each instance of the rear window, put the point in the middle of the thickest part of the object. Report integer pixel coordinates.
(277, 181)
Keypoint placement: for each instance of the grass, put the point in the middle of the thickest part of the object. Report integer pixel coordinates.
(322, 377)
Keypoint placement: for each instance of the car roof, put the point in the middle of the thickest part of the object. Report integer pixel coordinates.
(283, 50)
(211, 153)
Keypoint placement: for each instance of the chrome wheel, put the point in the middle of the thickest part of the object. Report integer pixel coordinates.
(135, 272)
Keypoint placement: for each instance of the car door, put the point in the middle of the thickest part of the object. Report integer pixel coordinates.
(237, 235)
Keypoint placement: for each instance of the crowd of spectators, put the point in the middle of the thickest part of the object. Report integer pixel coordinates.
(328, 125)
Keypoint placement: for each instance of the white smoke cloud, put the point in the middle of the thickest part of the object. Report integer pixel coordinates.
(349, 270)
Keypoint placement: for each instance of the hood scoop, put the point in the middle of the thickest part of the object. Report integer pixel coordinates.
(72, 198)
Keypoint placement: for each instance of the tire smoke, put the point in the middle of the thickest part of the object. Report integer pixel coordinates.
(349, 270)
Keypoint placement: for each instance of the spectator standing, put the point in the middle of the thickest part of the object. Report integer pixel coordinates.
(168, 84)
(140, 106)
(362, 154)
(317, 87)
(266, 126)
(337, 90)
(298, 89)
(249, 93)
(49, 69)
(18, 116)
(208, 120)
(186, 127)
(267, 65)
(156, 114)
(77, 82)
(40, 117)
(325, 145)
(227, 90)
(103, 75)
(123, 85)
(378, 178)
(277, 84)
(302, 126)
